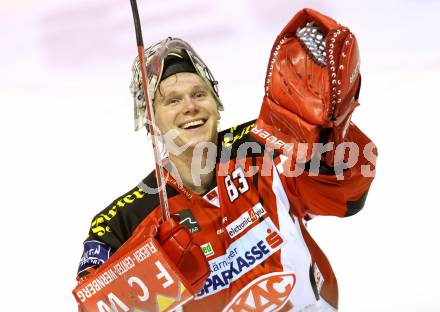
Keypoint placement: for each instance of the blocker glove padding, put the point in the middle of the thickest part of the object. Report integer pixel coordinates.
(178, 244)
(312, 82)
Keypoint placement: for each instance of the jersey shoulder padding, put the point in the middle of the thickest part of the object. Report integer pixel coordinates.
(115, 224)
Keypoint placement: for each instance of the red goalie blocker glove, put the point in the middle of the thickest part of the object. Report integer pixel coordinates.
(178, 243)
(180, 247)
(160, 260)
(312, 83)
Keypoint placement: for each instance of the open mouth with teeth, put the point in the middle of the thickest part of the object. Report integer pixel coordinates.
(193, 124)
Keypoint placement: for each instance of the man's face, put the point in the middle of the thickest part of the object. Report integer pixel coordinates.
(184, 103)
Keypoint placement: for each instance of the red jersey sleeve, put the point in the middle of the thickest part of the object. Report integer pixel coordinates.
(327, 194)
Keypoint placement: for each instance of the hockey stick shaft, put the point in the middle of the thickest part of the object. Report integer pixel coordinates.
(160, 179)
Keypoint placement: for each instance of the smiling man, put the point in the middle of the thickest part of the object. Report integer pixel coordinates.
(184, 103)
(241, 203)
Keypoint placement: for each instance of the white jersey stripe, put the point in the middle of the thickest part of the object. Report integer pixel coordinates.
(295, 256)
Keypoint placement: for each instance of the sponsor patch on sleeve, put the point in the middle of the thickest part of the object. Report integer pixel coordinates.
(95, 253)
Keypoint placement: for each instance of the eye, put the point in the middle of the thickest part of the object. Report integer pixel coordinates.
(140, 97)
(199, 94)
(172, 101)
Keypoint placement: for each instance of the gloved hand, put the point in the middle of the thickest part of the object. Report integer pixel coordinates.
(178, 244)
(149, 263)
(312, 83)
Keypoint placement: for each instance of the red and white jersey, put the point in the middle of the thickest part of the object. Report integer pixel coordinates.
(250, 226)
